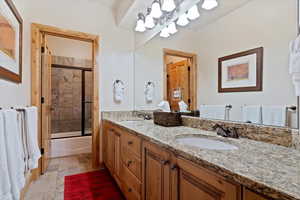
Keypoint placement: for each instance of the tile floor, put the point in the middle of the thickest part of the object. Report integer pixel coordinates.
(50, 186)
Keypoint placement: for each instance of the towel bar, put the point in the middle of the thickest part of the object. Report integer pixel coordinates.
(293, 108)
(228, 107)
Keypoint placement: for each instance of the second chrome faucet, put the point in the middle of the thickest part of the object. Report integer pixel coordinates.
(225, 132)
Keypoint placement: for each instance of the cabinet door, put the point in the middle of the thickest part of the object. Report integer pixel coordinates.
(117, 153)
(195, 182)
(110, 150)
(156, 173)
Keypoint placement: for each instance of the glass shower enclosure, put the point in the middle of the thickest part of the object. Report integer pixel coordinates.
(71, 101)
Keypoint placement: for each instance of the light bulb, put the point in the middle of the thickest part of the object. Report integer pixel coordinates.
(209, 4)
(168, 5)
(193, 13)
(172, 28)
(183, 20)
(140, 26)
(164, 33)
(149, 22)
(155, 10)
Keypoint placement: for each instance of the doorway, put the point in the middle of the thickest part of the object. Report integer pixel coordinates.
(180, 78)
(42, 69)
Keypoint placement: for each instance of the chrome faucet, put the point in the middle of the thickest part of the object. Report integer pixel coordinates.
(145, 116)
(225, 132)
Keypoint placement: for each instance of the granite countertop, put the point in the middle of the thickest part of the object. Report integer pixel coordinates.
(265, 168)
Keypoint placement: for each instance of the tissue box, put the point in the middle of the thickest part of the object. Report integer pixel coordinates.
(167, 119)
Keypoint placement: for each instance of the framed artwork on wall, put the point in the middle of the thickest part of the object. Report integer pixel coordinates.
(11, 29)
(241, 72)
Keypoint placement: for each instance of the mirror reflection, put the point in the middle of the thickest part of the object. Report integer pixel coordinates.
(233, 66)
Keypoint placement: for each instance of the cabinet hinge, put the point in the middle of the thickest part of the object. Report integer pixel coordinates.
(43, 49)
(189, 68)
(42, 100)
(189, 101)
(42, 151)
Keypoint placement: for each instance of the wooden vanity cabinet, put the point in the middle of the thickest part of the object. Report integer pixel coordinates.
(146, 171)
(122, 157)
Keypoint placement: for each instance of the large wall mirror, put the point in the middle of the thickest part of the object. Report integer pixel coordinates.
(231, 64)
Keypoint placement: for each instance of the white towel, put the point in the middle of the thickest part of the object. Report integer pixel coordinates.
(24, 135)
(14, 150)
(149, 92)
(252, 114)
(294, 64)
(5, 187)
(164, 106)
(295, 56)
(31, 124)
(183, 107)
(274, 115)
(119, 91)
(213, 111)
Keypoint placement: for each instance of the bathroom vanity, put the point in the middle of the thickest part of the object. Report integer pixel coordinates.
(151, 162)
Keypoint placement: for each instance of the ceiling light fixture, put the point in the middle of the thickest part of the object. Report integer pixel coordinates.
(172, 28)
(193, 13)
(155, 10)
(183, 20)
(140, 24)
(168, 5)
(164, 33)
(209, 4)
(149, 21)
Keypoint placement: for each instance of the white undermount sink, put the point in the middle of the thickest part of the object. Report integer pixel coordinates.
(204, 143)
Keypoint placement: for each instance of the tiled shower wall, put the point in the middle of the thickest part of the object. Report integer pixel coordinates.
(66, 99)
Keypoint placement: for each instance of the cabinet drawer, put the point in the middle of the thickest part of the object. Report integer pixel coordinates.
(132, 162)
(130, 180)
(132, 142)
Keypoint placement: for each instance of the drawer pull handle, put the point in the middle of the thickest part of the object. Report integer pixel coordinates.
(130, 142)
(129, 190)
(129, 163)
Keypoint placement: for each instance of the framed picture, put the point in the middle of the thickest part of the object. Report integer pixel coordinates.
(241, 72)
(11, 29)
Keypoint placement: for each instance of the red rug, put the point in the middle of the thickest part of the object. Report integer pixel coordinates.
(98, 185)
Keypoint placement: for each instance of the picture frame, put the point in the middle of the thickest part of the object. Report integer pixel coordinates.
(11, 42)
(241, 72)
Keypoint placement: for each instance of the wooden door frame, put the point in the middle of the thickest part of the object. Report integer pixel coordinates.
(193, 74)
(36, 31)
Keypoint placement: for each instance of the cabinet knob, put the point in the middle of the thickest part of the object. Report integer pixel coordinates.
(129, 190)
(174, 166)
(130, 142)
(129, 163)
